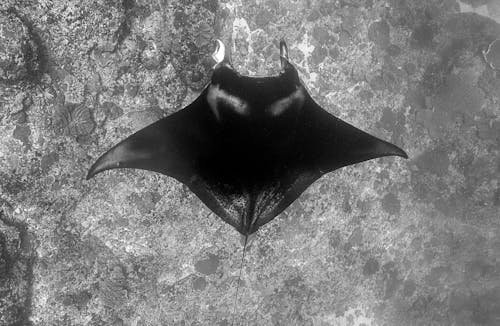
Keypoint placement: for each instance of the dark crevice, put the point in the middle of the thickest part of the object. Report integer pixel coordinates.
(125, 27)
(36, 56)
(24, 312)
(122, 33)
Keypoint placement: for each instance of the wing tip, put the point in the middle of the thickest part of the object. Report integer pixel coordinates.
(90, 174)
(384, 148)
(103, 163)
(94, 169)
(400, 152)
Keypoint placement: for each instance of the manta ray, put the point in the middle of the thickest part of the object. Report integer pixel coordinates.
(247, 146)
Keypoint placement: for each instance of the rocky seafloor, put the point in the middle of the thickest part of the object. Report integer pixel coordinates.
(385, 242)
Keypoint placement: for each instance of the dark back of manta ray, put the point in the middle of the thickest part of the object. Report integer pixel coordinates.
(247, 146)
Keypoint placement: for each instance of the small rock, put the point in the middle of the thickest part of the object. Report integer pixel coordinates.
(112, 110)
(118, 90)
(344, 39)
(144, 202)
(422, 36)
(207, 266)
(48, 160)
(79, 299)
(118, 322)
(199, 284)
(27, 102)
(371, 267)
(132, 89)
(211, 5)
(318, 55)
(196, 77)
(263, 18)
(322, 35)
(391, 204)
(128, 4)
(22, 133)
(20, 117)
(180, 19)
(152, 58)
(393, 50)
(204, 35)
(315, 14)
(392, 121)
(379, 33)
(334, 52)
(409, 288)
(410, 68)
(74, 120)
(93, 84)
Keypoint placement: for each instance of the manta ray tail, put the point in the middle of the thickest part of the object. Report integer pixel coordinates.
(239, 276)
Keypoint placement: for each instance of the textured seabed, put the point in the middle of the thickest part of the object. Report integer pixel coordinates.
(386, 242)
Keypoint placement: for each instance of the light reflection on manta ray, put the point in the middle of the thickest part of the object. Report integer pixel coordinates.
(247, 146)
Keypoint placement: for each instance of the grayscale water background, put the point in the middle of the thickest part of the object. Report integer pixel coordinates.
(386, 242)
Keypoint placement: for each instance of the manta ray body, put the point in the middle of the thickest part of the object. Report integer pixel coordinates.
(247, 146)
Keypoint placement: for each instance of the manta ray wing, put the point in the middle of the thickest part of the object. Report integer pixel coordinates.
(324, 144)
(168, 146)
(330, 143)
(172, 146)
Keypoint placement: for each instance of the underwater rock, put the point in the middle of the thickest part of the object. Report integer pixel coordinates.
(16, 272)
(492, 56)
(208, 265)
(18, 52)
(73, 120)
(379, 33)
